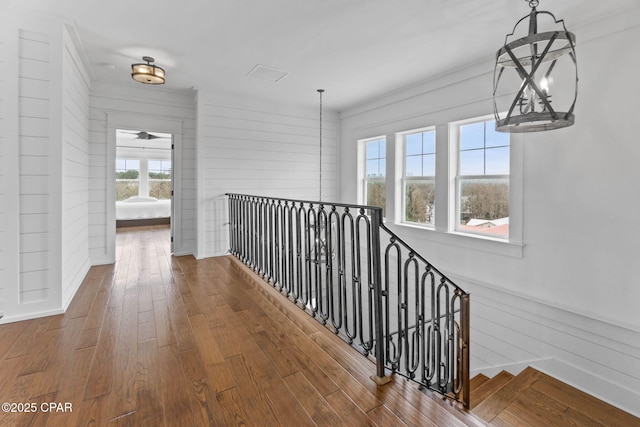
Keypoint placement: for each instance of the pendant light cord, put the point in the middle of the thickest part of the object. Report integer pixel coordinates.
(320, 91)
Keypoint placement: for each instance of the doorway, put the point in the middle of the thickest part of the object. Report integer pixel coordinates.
(143, 178)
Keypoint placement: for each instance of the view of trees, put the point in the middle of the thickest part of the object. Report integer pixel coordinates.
(160, 189)
(129, 174)
(377, 193)
(126, 189)
(484, 199)
(419, 199)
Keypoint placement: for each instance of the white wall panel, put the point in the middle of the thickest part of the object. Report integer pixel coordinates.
(255, 148)
(75, 171)
(34, 166)
(146, 103)
(572, 293)
(3, 178)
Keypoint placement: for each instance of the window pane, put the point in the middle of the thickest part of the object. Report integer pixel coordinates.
(377, 194)
(120, 164)
(155, 165)
(429, 142)
(413, 166)
(126, 189)
(160, 189)
(496, 139)
(472, 162)
(382, 168)
(484, 206)
(413, 144)
(382, 148)
(375, 149)
(419, 197)
(429, 165)
(497, 161)
(472, 136)
(133, 164)
(372, 168)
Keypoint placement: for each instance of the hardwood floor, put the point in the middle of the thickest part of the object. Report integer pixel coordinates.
(162, 341)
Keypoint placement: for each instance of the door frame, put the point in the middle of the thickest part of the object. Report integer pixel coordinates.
(146, 123)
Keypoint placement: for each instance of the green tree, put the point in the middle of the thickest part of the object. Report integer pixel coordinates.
(484, 200)
(129, 174)
(419, 199)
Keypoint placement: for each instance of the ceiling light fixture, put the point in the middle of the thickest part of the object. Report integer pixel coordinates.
(147, 73)
(534, 67)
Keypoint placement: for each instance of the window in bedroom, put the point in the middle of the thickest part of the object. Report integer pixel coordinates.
(482, 179)
(160, 179)
(419, 176)
(127, 178)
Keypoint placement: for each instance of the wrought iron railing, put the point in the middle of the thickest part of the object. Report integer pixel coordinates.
(343, 266)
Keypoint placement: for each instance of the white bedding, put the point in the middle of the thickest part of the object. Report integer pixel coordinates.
(143, 208)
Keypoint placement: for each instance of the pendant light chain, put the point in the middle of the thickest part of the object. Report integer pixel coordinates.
(320, 91)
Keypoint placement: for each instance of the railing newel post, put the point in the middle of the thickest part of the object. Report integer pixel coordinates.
(376, 221)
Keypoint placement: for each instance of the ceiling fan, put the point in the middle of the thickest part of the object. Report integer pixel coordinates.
(144, 135)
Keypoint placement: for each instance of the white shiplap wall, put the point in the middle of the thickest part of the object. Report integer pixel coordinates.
(566, 300)
(45, 167)
(245, 146)
(35, 166)
(144, 103)
(75, 171)
(3, 179)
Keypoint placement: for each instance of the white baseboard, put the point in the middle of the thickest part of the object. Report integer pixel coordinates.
(30, 316)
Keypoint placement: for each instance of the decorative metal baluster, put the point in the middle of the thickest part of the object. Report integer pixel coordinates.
(325, 260)
(337, 267)
(362, 218)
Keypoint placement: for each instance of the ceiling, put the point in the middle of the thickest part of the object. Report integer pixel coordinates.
(354, 49)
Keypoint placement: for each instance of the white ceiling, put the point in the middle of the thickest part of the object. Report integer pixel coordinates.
(354, 49)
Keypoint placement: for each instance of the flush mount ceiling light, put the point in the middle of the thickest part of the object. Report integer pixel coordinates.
(147, 73)
(535, 67)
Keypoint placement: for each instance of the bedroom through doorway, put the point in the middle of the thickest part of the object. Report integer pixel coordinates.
(144, 178)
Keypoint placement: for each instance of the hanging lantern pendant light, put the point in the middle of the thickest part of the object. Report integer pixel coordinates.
(532, 66)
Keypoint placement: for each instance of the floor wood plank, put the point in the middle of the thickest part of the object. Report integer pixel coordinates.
(174, 341)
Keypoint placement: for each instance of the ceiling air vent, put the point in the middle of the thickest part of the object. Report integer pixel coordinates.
(264, 72)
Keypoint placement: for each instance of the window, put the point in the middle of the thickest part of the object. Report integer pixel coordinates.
(375, 188)
(419, 176)
(160, 179)
(127, 178)
(482, 179)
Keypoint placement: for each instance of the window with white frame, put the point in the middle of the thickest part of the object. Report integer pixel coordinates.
(127, 178)
(375, 187)
(160, 179)
(482, 179)
(419, 185)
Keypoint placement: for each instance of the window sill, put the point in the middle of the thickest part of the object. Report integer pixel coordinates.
(463, 240)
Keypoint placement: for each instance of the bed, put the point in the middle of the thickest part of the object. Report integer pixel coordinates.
(143, 208)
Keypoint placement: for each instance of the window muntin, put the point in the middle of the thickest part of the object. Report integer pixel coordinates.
(375, 186)
(127, 178)
(482, 191)
(419, 177)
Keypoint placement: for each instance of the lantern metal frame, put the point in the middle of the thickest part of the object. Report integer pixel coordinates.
(531, 109)
(148, 73)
